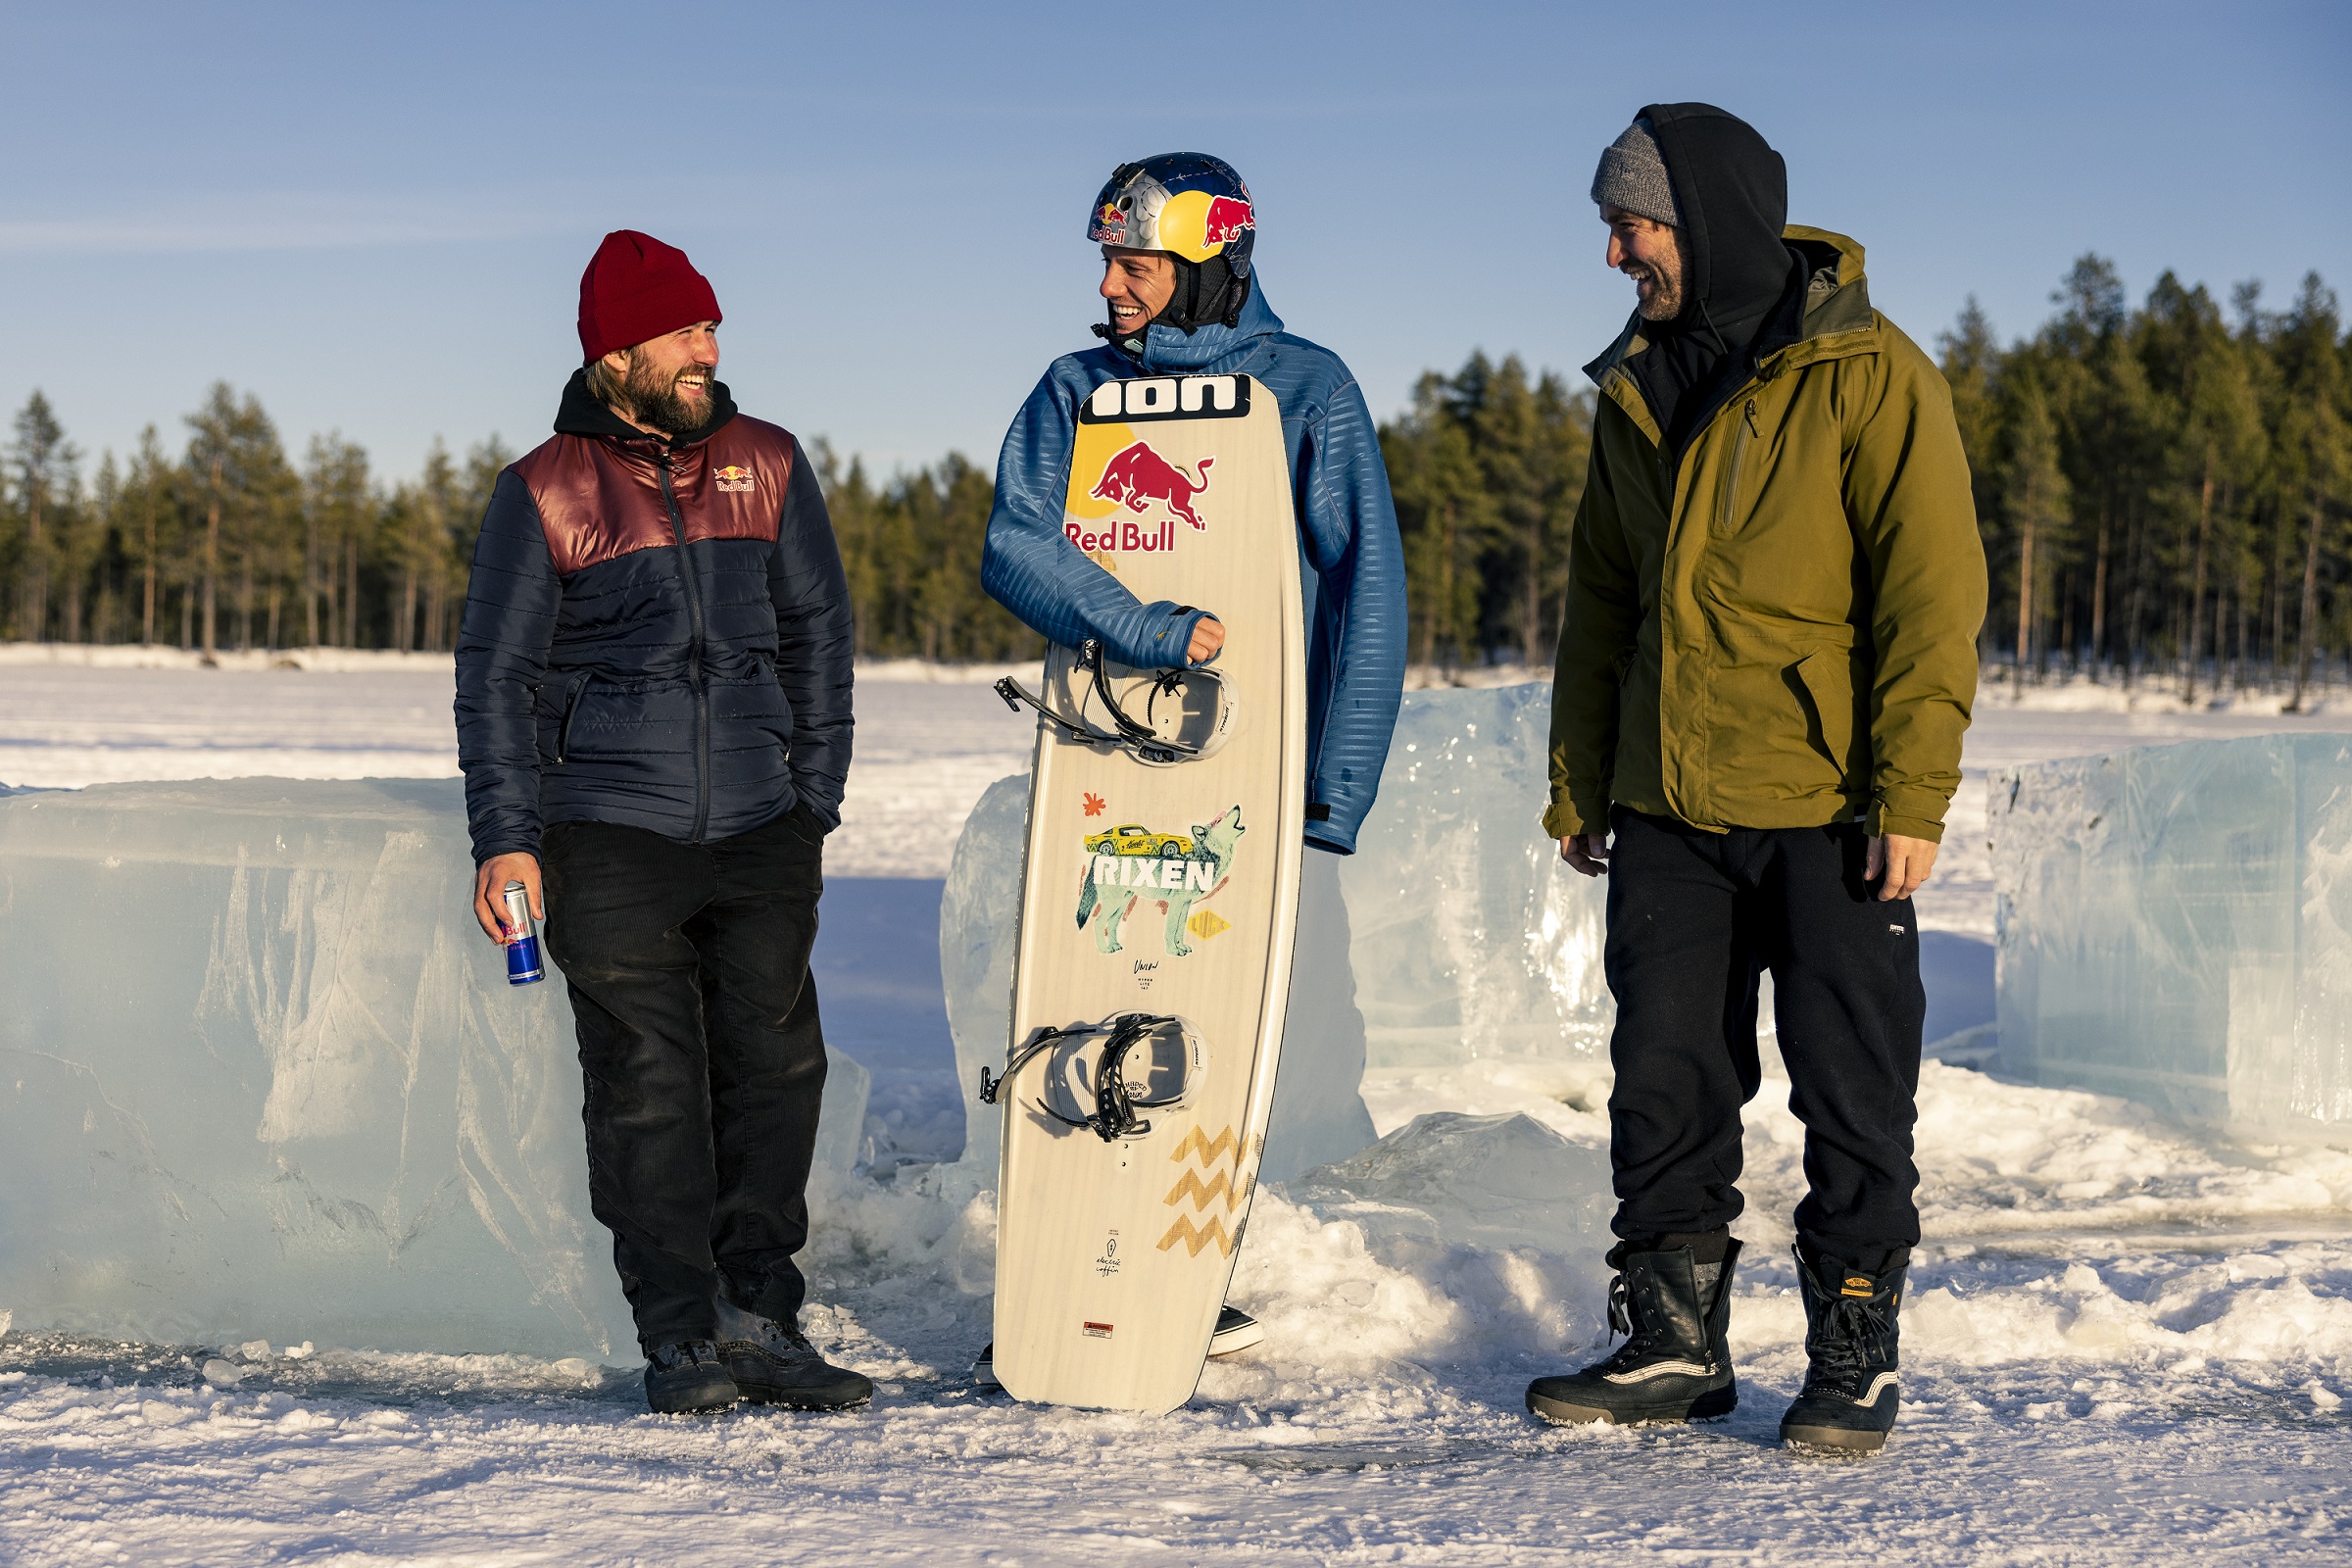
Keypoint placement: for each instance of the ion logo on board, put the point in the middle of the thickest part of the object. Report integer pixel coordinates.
(1167, 397)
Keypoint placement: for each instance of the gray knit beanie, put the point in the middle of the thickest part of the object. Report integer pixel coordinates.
(1632, 175)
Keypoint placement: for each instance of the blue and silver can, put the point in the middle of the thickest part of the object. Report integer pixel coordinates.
(523, 947)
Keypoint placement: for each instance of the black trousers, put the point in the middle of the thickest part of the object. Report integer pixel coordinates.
(688, 967)
(1695, 919)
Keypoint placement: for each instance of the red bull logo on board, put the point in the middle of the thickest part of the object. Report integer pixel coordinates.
(1138, 477)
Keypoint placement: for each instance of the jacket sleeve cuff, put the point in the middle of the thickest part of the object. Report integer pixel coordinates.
(1883, 821)
(1320, 837)
(1568, 818)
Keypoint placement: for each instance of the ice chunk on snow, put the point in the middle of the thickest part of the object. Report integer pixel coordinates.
(1452, 933)
(260, 1074)
(1471, 939)
(1492, 1181)
(2176, 926)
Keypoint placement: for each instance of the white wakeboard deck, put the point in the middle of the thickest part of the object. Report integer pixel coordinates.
(1161, 890)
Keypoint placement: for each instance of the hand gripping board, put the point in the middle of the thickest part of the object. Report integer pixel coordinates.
(1167, 890)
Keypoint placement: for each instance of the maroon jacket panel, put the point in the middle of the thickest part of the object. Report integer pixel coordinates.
(600, 498)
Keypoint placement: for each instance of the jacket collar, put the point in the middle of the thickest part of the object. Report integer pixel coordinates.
(1833, 322)
(1211, 350)
(582, 413)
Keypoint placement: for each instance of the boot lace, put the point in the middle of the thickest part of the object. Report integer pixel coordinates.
(1641, 1338)
(1844, 1348)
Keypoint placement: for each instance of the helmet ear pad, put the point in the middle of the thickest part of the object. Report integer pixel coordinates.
(1206, 292)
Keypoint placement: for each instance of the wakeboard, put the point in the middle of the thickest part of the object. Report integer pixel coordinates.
(1159, 895)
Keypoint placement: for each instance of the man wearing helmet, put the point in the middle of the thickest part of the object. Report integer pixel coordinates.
(1182, 298)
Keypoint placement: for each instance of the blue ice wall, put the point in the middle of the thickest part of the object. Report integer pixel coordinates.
(2176, 926)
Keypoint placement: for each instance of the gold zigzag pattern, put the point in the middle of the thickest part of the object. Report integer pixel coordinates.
(1194, 1240)
(1194, 1142)
(1189, 1185)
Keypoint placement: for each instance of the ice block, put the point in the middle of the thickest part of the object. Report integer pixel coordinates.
(261, 1075)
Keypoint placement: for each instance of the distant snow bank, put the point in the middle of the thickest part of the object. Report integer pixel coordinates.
(373, 660)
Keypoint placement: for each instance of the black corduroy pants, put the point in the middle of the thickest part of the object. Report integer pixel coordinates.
(704, 1058)
(1695, 918)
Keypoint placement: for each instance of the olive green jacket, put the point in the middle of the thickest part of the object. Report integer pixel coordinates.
(1788, 636)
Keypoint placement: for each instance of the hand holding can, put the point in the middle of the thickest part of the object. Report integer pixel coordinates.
(523, 937)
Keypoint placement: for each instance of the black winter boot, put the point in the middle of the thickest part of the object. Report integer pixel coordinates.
(687, 1377)
(1676, 1363)
(1850, 1393)
(774, 1363)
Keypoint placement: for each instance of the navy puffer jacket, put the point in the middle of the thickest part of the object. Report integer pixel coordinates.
(657, 634)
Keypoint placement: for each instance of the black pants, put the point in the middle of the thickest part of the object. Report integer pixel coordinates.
(688, 966)
(1695, 919)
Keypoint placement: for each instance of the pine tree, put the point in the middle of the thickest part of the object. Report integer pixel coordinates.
(41, 469)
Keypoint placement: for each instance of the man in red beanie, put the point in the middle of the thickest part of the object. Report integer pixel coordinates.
(654, 706)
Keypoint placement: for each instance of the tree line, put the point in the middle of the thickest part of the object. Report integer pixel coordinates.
(228, 545)
(2162, 491)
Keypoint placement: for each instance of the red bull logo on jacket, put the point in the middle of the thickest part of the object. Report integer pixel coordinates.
(734, 477)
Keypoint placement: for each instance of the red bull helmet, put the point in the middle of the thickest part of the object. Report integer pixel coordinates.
(1191, 205)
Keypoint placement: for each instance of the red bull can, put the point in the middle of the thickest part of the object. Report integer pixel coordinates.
(522, 937)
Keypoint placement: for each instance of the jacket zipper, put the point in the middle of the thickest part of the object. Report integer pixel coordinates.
(693, 660)
(572, 705)
(1724, 519)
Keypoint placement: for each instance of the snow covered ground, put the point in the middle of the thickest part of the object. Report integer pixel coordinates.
(2125, 1343)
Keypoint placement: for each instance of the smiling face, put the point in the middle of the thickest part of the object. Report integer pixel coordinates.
(664, 384)
(1138, 285)
(1654, 255)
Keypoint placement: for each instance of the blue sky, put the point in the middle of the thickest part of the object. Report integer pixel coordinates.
(375, 217)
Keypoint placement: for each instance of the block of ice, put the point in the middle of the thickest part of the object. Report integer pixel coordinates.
(2176, 926)
(1488, 1181)
(1470, 938)
(259, 1074)
(1452, 933)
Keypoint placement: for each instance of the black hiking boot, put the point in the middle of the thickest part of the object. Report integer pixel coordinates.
(1850, 1393)
(774, 1363)
(686, 1377)
(1675, 1362)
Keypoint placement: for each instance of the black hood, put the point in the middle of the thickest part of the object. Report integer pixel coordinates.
(1732, 190)
(583, 413)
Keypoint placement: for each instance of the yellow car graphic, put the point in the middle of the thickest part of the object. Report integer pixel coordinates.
(1136, 838)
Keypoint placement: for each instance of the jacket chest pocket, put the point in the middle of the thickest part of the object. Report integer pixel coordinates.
(1730, 509)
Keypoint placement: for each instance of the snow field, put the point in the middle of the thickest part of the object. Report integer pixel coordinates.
(2125, 1342)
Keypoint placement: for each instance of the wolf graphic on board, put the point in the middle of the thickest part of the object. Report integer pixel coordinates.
(1115, 883)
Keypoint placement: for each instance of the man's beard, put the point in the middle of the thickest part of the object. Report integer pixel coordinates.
(1665, 301)
(656, 401)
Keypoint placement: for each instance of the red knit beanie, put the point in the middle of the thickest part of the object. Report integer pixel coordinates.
(638, 288)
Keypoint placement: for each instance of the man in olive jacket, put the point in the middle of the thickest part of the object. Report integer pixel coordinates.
(1766, 664)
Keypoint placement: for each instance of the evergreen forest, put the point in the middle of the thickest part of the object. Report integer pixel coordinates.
(2164, 489)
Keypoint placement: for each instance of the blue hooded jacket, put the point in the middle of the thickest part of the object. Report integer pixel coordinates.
(1352, 557)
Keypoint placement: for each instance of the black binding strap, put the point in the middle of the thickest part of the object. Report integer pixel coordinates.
(1147, 742)
(1115, 1110)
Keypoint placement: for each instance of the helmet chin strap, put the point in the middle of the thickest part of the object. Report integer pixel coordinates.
(1205, 291)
